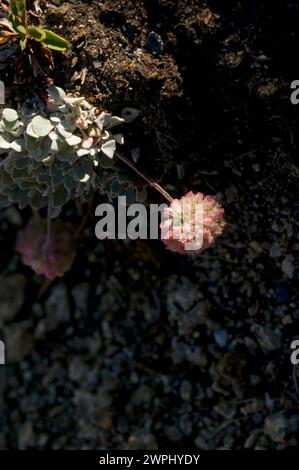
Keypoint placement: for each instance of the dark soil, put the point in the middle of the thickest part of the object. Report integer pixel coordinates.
(137, 347)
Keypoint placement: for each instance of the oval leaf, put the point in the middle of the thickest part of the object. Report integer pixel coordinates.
(41, 126)
(53, 41)
(10, 115)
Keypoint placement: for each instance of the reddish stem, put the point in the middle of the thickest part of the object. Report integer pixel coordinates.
(149, 180)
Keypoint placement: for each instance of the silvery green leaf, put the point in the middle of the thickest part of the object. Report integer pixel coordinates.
(81, 152)
(68, 154)
(81, 189)
(85, 178)
(67, 170)
(116, 188)
(73, 100)
(21, 162)
(23, 202)
(55, 119)
(57, 94)
(30, 131)
(6, 180)
(17, 146)
(10, 115)
(25, 185)
(16, 173)
(53, 135)
(70, 183)
(41, 126)
(123, 177)
(44, 150)
(106, 163)
(48, 160)
(36, 155)
(129, 114)
(101, 120)
(105, 135)
(31, 143)
(54, 146)
(115, 121)
(73, 140)
(119, 139)
(37, 201)
(83, 168)
(56, 180)
(4, 144)
(63, 109)
(108, 148)
(43, 178)
(15, 195)
(63, 132)
(60, 196)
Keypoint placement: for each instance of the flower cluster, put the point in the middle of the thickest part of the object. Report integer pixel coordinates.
(191, 224)
(52, 257)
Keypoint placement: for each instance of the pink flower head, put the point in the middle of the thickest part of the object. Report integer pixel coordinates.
(191, 224)
(82, 121)
(52, 258)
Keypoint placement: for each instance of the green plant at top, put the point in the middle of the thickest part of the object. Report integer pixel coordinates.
(37, 42)
(63, 149)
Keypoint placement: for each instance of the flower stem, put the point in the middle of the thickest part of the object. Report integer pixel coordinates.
(48, 244)
(149, 180)
(85, 218)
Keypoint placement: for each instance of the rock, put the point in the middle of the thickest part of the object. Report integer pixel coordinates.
(143, 394)
(185, 307)
(141, 440)
(281, 291)
(13, 216)
(225, 409)
(173, 433)
(262, 443)
(18, 340)
(154, 43)
(275, 250)
(185, 424)
(57, 307)
(80, 295)
(252, 438)
(287, 266)
(182, 294)
(186, 390)
(253, 406)
(282, 428)
(221, 338)
(26, 436)
(11, 296)
(269, 339)
(230, 374)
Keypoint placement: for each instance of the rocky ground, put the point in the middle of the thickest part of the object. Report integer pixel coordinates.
(138, 348)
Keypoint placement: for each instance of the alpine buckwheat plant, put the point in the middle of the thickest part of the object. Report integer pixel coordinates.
(55, 151)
